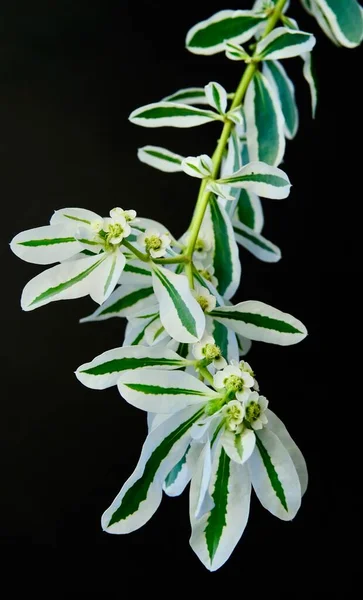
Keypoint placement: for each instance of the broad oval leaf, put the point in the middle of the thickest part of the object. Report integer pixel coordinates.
(171, 114)
(274, 477)
(180, 313)
(261, 322)
(141, 495)
(256, 243)
(209, 36)
(284, 43)
(345, 20)
(285, 92)
(264, 122)
(216, 533)
(161, 391)
(160, 158)
(104, 370)
(46, 245)
(262, 179)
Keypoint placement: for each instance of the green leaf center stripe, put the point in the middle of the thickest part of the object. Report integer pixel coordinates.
(181, 308)
(245, 211)
(110, 275)
(128, 300)
(287, 102)
(349, 18)
(89, 242)
(274, 180)
(217, 517)
(172, 476)
(137, 270)
(137, 493)
(271, 472)
(157, 390)
(217, 33)
(254, 239)
(223, 263)
(66, 284)
(183, 95)
(160, 112)
(257, 320)
(220, 334)
(141, 335)
(167, 157)
(122, 364)
(266, 123)
(47, 242)
(285, 41)
(77, 219)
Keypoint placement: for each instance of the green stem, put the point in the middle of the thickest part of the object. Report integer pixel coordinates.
(181, 258)
(204, 371)
(140, 255)
(204, 195)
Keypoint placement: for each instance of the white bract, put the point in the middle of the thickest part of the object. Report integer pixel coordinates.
(180, 360)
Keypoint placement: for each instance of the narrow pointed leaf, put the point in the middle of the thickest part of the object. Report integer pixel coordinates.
(123, 302)
(274, 477)
(161, 391)
(180, 475)
(278, 428)
(264, 122)
(256, 243)
(216, 96)
(107, 277)
(71, 279)
(284, 43)
(249, 210)
(345, 20)
(216, 533)
(180, 313)
(198, 166)
(160, 158)
(141, 495)
(171, 114)
(285, 91)
(310, 76)
(193, 95)
(261, 322)
(262, 179)
(104, 370)
(46, 245)
(209, 36)
(135, 333)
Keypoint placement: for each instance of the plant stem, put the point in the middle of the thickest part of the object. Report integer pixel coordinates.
(140, 255)
(204, 195)
(181, 258)
(205, 373)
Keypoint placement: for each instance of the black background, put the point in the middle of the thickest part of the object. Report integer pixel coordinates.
(70, 74)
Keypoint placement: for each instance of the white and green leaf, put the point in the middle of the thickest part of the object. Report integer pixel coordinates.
(278, 428)
(261, 322)
(107, 276)
(255, 243)
(46, 245)
(136, 272)
(193, 95)
(244, 345)
(160, 158)
(249, 210)
(260, 178)
(141, 495)
(284, 43)
(180, 313)
(162, 391)
(198, 166)
(274, 477)
(179, 476)
(238, 446)
(123, 302)
(236, 52)
(104, 370)
(226, 340)
(216, 533)
(75, 216)
(264, 122)
(344, 19)
(171, 114)
(310, 77)
(285, 92)
(209, 36)
(216, 96)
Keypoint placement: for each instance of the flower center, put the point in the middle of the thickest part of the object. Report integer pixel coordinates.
(199, 245)
(204, 273)
(234, 383)
(253, 411)
(114, 231)
(203, 302)
(153, 243)
(211, 351)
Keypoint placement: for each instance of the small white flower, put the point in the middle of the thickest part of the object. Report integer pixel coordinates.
(129, 215)
(116, 227)
(233, 379)
(255, 410)
(202, 246)
(245, 366)
(207, 348)
(206, 272)
(234, 413)
(155, 243)
(205, 299)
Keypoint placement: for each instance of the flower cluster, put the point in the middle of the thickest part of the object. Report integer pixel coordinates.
(181, 356)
